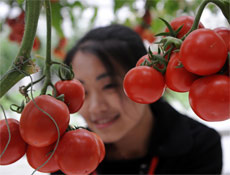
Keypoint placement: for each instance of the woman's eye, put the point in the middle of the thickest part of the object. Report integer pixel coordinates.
(109, 86)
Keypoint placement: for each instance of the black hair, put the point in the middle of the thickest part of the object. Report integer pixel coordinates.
(111, 43)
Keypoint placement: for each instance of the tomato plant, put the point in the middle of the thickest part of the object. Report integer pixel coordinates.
(209, 97)
(144, 84)
(186, 22)
(36, 156)
(203, 52)
(78, 152)
(177, 78)
(146, 61)
(74, 93)
(17, 29)
(17, 146)
(44, 119)
(36, 128)
(59, 50)
(225, 35)
(142, 59)
(101, 146)
(148, 35)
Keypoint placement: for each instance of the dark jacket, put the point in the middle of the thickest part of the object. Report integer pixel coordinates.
(179, 145)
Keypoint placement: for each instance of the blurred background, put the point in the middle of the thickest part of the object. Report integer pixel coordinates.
(70, 20)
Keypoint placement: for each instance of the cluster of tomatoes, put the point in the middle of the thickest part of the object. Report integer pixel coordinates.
(200, 67)
(42, 121)
(17, 26)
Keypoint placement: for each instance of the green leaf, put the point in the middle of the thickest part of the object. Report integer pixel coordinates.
(57, 18)
(171, 6)
(163, 34)
(94, 15)
(118, 4)
(157, 26)
(77, 4)
(20, 2)
(73, 20)
(151, 3)
(171, 31)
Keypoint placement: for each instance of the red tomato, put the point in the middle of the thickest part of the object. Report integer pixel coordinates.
(147, 18)
(186, 21)
(59, 52)
(37, 156)
(74, 93)
(146, 57)
(36, 128)
(62, 42)
(148, 35)
(142, 59)
(138, 29)
(37, 44)
(145, 33)
(144, 84)
(209, 97)
(178, 78)
(17, 146)
(101, 146)
(78, 152)
(203, 52)
(225, 35)
(17, 26)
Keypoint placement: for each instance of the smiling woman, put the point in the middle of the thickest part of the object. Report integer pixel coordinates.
(139, 138)
(106, 108)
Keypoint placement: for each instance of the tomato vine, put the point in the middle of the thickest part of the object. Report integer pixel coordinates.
(23, 59)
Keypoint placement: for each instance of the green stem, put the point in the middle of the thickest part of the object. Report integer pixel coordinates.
(29, 85)
(22, 60)
(222, 4)
(48, 48)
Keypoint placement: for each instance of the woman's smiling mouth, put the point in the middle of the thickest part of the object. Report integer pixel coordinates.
(105, 122)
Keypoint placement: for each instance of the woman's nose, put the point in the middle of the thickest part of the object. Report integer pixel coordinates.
(98, 104)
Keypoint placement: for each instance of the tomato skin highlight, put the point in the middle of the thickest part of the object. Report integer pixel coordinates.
(203, 52)
(17, 146)
(78, 152)
(186, 21)
(209, 97)
(74, 93)
(144, 84)
(36, 156)
(178, 78)
(36, 128)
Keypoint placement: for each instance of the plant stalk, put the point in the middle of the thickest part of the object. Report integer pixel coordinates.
(48, 63)
(224, 6)
(22, 61)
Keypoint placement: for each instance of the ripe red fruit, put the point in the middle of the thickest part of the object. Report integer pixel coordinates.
(78, 152)
(36, 127)
(17, 146)
(74, 93)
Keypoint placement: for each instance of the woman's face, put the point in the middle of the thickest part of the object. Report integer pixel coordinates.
(106, 108)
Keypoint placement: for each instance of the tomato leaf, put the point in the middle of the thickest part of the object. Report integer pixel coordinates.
(20, 2)
(94, 15)
(57, 18)
(171, 31)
